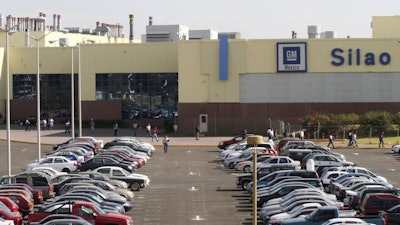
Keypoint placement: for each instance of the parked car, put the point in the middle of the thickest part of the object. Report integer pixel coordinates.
(355, 221)
(135, 181)
(268, 210)
(395, 149)
(109, 187)
(235, 139)
(99, 176)
(375, 202)
(9, 203)
(6, 222)
(134, 146)
(60, 163)
(391, 216)
(279, 191)
(36, 180)
(247, 154)
(100, 161)
(5, 213)
(247, 165)
(300, 210)
(37, 194)
(25, 205)
(322, 160)
(51, 218)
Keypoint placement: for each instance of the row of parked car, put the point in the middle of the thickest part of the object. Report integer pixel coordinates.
(299, 182)
(82, 180)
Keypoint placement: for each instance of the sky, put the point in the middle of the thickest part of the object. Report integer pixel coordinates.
(254, 19)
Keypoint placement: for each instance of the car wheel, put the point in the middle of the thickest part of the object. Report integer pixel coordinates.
(247, 169)
(135, 186)
(65, 170)
(231, 166)
(244, 184)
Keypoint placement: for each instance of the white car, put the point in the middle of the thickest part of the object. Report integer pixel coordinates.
(118, 173)
(357, 169)
(6, 222)
(235, 148)
(396, 149)
(326, 177)
(336, 221)
(247, 166)
(270, 210)
(59, 163)
(297, 211)
(303, 191)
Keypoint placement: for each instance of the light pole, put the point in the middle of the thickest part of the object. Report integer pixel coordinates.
(79, 91)
(8, 105)
(72, 88)
(38, 39)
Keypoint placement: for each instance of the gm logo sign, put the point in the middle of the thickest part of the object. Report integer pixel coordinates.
(291, 57)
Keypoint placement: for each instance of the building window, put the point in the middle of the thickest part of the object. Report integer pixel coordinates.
(55, 92)
(143, 95)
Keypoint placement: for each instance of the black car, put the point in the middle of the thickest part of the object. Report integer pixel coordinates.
(100, 161)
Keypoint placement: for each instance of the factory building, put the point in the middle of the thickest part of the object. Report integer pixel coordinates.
(201, 78)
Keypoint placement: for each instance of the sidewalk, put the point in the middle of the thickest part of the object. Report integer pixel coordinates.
(51, 137)
(56, 136)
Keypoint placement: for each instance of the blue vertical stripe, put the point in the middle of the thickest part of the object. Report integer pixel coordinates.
(223, 57)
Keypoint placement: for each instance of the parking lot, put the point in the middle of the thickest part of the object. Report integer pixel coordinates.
(190, 186)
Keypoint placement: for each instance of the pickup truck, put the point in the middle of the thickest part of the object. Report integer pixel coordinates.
(391, 216)
(324, 213)
(87, 210)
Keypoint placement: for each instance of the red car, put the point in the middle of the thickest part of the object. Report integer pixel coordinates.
(37, 193)
(24, 204)
(8, 215)
(234, 140)
(9, 203)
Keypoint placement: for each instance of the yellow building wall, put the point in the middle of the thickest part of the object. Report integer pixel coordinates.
(199, 63)
(385, 26)
(96, 58)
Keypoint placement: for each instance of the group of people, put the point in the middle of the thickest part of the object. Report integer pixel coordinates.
(45, 124)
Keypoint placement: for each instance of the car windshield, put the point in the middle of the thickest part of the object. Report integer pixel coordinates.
(99, 210)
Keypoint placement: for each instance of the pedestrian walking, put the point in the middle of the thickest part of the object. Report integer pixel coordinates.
(155, 134)
(68, 127)
(51, 123)
(165, 143)
(175, 128)
(135, 127)
(148, 130)
(197, 132)
(115, 126)
(301, 134)
(350, 138)
(331, 141)
(44, 124)
(354, 140)
(381, 142)
(27, 125)
(92, 123)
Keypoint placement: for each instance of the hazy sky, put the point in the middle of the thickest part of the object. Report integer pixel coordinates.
(254, 19)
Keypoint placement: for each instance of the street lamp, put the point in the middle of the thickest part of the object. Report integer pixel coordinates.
(72, 89)
(38, 39)
(8, 123)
